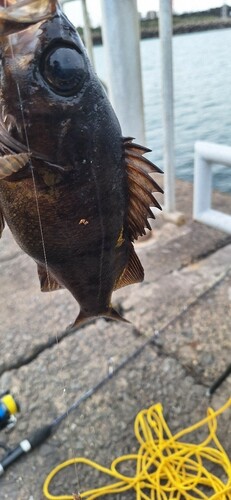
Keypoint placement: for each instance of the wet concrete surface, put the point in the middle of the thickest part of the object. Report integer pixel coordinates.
(178, 342)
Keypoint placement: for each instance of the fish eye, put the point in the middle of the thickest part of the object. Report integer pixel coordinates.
(64, 69)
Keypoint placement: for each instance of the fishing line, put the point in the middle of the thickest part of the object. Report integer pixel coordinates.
(100, 270)
(42, 239)
(32, 173)
(102, 232)
(40, 435)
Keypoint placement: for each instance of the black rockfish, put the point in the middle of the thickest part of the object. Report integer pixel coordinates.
(73, 191)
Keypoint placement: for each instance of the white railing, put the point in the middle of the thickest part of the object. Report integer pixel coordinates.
(120, 30)
(206, 155)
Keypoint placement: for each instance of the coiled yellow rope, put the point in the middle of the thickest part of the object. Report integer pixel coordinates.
(166, 467)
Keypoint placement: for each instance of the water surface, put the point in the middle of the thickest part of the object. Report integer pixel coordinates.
(202, 93)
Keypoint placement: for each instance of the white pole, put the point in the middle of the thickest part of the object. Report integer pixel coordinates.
(87, 31)
(165, 27)
(120, 27)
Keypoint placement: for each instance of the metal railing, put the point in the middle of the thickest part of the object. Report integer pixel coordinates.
(206, 155)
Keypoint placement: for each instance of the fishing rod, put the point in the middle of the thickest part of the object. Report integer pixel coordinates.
(40, 435)
(219, 381)
(8, 409)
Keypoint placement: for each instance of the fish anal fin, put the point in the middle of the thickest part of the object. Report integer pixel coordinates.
(11, 164)
(133, 272)
(140, 188)
(47, 282)
(2, 223)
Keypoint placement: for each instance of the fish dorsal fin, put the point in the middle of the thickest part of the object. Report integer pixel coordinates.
(2, 223)
(133, 272)
(11, 164)
(47, 282)
(140, 188)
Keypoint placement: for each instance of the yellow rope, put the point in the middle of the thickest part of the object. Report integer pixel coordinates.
(166, 467)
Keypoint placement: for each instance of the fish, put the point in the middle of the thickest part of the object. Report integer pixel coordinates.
(74, 192)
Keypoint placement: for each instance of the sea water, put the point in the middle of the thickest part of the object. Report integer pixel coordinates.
(202, 97)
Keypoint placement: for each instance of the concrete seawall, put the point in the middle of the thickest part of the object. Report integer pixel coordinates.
(181, 28)
(183, 305)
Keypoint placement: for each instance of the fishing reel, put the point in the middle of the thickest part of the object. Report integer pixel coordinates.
(8, 409)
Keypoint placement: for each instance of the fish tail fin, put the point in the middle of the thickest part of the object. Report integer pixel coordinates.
(83, 318)
(115, 316)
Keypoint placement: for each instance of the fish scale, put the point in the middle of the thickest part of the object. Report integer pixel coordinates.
(93, 187)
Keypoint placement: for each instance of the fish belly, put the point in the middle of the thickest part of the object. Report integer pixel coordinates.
(76, 233)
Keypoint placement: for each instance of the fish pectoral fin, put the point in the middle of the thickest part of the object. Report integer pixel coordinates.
(132, 273)
(11, 164)
(47, 282)
(2, 223)
(140, 188)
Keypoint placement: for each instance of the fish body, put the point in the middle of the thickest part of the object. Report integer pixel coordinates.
(73, 191)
